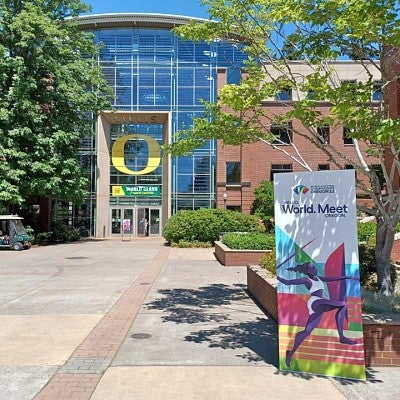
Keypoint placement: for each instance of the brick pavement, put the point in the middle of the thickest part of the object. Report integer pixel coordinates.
(78, 378)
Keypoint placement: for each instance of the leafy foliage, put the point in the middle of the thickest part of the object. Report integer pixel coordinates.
(367, 232)
(263, 204)
(373, 302)
(249, 241)
(275, 32)
(268, 261)
(49, 92)
(205, 225)
(60, 233)
(368, 277)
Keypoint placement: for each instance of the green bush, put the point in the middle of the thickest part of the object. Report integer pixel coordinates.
(268, 261)
(366, 232)
(373, 302)
(249, 241)
(43, 238)
(61, 233)
(31, 233)
(368, 267)
(263, 204)
(195, 244)
(367, 264)
(206, 225)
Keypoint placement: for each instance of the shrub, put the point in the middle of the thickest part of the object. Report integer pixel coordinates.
(263, 204)
(60, 233)
(249, 241)
(268, 261)
(205, 225)
(195, 244)
(44, 238)
(31, 233)
(373, 302)
(368, 267)
(366, 232)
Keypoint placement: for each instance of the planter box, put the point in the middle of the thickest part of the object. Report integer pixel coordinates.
(396, 251)
(230, 257)
(381, 335)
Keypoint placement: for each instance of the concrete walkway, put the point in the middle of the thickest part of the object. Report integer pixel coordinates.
(113, 320)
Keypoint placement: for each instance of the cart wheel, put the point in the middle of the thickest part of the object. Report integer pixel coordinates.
(18, 246)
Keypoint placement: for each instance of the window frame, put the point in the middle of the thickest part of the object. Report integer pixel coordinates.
(279, 169)
(237, 174)
(283, 129)
(346, 140)
(377, 94)
(325, 132)
(284, 95)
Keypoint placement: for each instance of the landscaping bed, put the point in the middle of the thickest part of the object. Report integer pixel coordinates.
(233, 257)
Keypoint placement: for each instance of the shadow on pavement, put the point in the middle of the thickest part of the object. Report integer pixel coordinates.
(230, 307)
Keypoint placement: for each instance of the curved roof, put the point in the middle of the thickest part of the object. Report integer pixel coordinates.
(117, 20)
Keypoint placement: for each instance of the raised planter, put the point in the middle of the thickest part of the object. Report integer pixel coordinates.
(232, 257)
(381, 335)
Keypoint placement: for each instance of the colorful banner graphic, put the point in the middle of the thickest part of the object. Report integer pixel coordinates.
(139, 190)
(319, 296)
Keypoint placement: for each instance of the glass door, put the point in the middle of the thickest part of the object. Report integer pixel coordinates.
(116, 216)
(154, 221)
(127, 222)
(140, 221)
(143, 221)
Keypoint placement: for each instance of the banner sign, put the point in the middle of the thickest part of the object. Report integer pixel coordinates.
(319, 296)
(138, 190)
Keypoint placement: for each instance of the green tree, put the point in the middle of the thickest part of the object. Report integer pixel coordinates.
(50, 91)
(263, 204)
(315, 32)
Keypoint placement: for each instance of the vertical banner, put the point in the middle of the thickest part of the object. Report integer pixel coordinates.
(319, 297)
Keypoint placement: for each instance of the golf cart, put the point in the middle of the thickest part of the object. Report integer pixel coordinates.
(12, 233)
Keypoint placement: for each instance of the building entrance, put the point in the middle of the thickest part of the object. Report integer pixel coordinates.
(136, 221)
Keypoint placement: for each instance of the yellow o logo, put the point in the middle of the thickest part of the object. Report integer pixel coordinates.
(118, 154)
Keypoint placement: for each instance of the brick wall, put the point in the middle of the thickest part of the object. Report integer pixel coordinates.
(396, 251)
(230, 257)
(263, 290)
(382, 344)
(381, 339)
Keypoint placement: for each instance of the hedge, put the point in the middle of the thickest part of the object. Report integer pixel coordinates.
(206, 225)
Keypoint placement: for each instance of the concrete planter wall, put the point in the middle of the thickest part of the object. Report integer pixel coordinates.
(231, 257)
(381, 336)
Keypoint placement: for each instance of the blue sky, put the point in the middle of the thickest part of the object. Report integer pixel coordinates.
(190, 8)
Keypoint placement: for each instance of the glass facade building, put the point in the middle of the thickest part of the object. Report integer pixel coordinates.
(159, 84)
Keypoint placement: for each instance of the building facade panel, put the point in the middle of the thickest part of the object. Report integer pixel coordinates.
(159, 84)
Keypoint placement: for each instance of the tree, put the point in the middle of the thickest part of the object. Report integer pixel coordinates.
(314, 32)
(50, 89)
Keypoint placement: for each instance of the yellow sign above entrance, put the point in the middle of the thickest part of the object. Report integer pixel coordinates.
(118, 154)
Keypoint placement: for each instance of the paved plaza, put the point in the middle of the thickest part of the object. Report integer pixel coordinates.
(135, 319)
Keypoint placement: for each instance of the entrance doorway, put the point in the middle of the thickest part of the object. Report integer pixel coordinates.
(136, 221)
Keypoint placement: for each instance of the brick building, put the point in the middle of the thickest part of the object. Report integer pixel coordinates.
(241, 169)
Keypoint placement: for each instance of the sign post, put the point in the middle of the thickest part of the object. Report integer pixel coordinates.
(319, 299)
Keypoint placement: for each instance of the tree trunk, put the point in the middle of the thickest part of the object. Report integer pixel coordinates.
(383, 251)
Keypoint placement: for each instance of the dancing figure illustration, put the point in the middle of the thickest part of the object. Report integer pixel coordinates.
(318, 304)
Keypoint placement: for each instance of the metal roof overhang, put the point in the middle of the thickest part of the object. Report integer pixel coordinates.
(131, 20)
